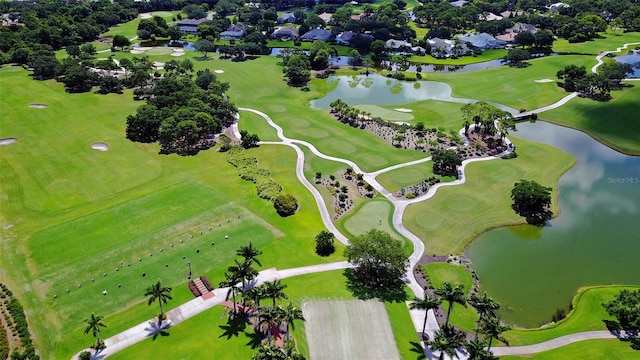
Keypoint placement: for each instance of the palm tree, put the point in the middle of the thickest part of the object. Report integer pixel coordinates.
(244, 271)
(484, 305)
(231, 281)
(289, 314)
(477, 350)
(451, 295)
(94, 323)
(160, 293)
(426, 304)
(492, 328)
(268, 319)
(274, 290)
(255, 295)
(249, 253)
(446, 342)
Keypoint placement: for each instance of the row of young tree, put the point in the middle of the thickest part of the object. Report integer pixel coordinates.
(182, 113)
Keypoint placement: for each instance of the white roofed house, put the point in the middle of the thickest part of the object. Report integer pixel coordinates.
(190, 26)
(483, 41)
(234, 32)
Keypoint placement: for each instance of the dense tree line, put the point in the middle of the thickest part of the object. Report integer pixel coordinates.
(598, 85)
(181, 113)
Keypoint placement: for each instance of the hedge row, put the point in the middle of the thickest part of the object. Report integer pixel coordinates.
(248, 170)
(20, 322)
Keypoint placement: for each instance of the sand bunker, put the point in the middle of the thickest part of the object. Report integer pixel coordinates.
(403, 110)
(218, 71)
(544, 80)
(134, 51)
(100, 146)
(177, 53)
(401, 123)
(158, 65)
(178, 50)
(146, 16)
(38, 106)
(7, 141)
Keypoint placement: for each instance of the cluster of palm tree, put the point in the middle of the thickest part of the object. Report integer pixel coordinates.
(265, 318)
(345, 113)
(448, 339)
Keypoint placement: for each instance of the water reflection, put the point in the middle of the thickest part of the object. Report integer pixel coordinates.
(594, 240)
(379, 90)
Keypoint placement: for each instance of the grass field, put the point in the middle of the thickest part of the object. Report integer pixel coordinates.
(73, 208)
(613, 123)
(483, 202)
(409, 175)
(462, 317)
(386, 114)
(512, 86)
(585, 350)
(486, 55)
(130, 29)
(609, 41)
(349, 330)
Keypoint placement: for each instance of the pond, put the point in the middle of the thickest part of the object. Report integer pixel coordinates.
(379, 90)
(533, 271)
(633, 59)
(595, 239)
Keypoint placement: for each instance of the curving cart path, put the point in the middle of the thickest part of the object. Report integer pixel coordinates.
(191, 308)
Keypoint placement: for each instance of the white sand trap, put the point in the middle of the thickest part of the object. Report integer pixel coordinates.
(218, 71)
(146, 16)
(38, 106)
(177, 53)
(401, 123)
(7, 141)
(178, 50)
(544, 80)
(136, 51)
(349, 329)
(100, 146)
(403, 110)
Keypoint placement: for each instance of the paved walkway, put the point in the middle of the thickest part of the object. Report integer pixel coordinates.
(198, 305)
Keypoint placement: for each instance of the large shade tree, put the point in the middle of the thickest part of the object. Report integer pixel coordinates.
(160, 293)
(532, 201)
(378, 259)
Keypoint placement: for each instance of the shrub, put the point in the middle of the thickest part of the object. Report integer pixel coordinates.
(324, 243)
(285, 205)
(85, 355)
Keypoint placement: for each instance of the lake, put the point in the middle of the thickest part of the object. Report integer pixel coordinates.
(595, 239)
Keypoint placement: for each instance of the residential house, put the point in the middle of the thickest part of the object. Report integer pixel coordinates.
(326, 17)
(358, 17)
(190, 26)
(234, 32)
(557, 6)
(459, 3)
(403, 47)
(287, 18)
(317, 34)
(510, 14)
(442, 48)
(489, 17)
(285, 33)
(482, 41)
(345, 37)
(510, 33)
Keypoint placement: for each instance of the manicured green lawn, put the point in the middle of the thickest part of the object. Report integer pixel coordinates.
(255, 124)
(464, 318)
(206, 335)
(455, 215)
(587, 315)
(130, 29)
(386, 114)
(512, 86)
(74, 208)
(610, 41)
(613, 123)
(408, 175)
(374, 214)
(585, 350)
(487, 55)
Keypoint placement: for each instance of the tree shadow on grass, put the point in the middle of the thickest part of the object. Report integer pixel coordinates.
(255, 340)
(631, 336)
(234, 327)
(393, 291)
(417, 348)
